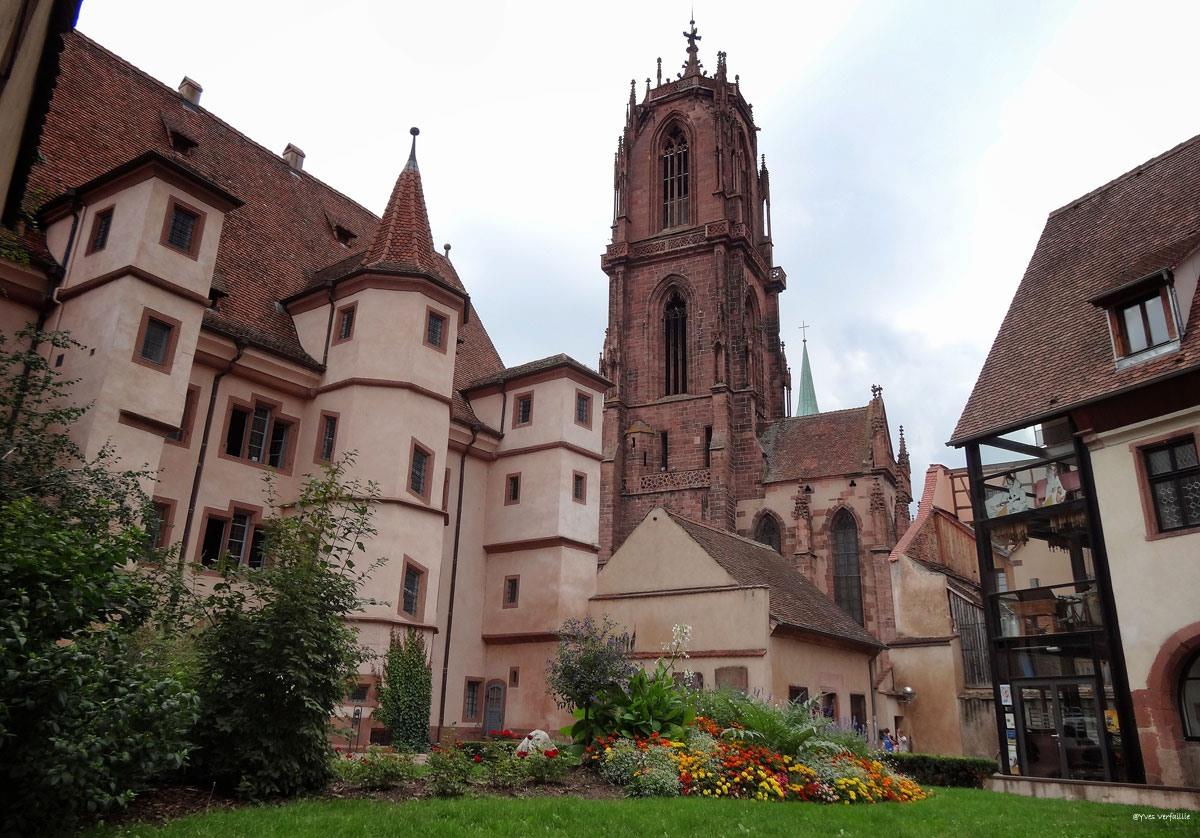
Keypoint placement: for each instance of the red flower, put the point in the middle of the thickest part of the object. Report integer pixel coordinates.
(492, 732)
(552, 753)
(478, 758)
(522, 754)
(507, 733)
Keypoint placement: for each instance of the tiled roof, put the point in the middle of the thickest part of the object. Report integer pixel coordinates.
(794, 600)
(820, 445)
(540, 365)
(1053, 350)
(106, 112)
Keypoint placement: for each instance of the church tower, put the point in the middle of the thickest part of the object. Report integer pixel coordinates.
(692, 347)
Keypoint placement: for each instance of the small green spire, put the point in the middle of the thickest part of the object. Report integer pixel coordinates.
(807, 405)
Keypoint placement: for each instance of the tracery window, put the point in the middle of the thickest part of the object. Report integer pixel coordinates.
(675, 184)
(847, 577)
(767, 532)
(1189, 698)
(675, 332)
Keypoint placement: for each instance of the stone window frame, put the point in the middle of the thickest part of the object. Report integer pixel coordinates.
(430, 469)
(173, 203)
(109, 212)
(410, 563)
(1192, 660)
(430, 313)
(477, 716)
(277, 414)
(591, 402)
(338, 315)
(319, 449)
(255, 514)
(583, 498)
(172, 341)
(191, 402)
(830, 521)
(674, 121)
(516, 600)
(738, 672)
(509, 500)
(780, 529)
(1145, 492)
(166, 507)
(516, 411)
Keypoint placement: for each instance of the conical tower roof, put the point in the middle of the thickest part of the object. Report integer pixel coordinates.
(807, 404)
(403, 240)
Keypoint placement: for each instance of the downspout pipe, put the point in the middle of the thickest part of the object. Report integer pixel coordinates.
(462, 471)
(58, 275)
(328, 328)
(199, 473)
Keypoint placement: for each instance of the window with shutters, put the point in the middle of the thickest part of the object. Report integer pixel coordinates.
(675, 360)
(847, 577)
(155, 343)
(675, 183)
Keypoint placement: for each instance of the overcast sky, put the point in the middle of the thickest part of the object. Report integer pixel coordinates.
(915, 148)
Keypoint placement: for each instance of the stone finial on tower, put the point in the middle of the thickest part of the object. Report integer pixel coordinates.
(692, 68)
(659, 72)
(721, 66)
(876, 391)
(412, 154)
(902, 457)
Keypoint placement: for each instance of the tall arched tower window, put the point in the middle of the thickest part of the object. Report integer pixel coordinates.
(767, 532)
(675, 179)
(847, 578)
(675, 357)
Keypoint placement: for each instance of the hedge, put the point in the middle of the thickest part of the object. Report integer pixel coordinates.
(936, 770)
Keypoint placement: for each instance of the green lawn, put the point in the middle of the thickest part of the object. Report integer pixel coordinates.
(959, 812)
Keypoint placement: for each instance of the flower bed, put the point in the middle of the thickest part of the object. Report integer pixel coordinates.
(707, 765)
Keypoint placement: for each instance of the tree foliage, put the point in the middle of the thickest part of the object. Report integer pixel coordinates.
(278, 653)
(84, 720)
(405, 692)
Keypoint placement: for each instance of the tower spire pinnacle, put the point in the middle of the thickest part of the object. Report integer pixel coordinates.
(807, 405)
(692, 68)
(412, 154)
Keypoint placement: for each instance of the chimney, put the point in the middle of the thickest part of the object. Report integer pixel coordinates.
(190, 90)
(294, 157)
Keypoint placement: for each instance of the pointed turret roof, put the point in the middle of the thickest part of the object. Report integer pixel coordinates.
(807, 404)
(403, 240)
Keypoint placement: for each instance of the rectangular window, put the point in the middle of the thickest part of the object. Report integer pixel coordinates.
(435, 330)
(158, 524)
(256, 548)
(664, 450)
(258, 435)
(183, 228)
(583, 409)
(239, 532)
(345, 322)
(471, 699)
(829, 708)
(328, 436)
(512, 591)
(514, 677)
(579, 487)
(411, 597)
(707, 446)
(1144, 324)
(797, 695)
(100, 227)
(523, 410)
(512, 489)
(1001, 581)
(155, 341)
(213, 542)
(235, 436)
(420, 471)
(278, 450)
(1173, 471)
(358, 695)
(733, 678)
(858, 712)
(258, 432)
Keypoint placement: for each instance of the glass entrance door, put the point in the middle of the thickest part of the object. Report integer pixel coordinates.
(1063, 730)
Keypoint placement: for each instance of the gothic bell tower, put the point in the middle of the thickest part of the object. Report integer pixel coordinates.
(692, 345)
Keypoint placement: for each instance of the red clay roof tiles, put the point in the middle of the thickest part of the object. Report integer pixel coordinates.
(820, 445)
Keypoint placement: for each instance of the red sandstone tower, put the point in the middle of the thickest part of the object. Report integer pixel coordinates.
(692, 345)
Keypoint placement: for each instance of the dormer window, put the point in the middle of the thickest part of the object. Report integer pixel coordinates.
(1141, 317)
(343, 235)
(182, 143)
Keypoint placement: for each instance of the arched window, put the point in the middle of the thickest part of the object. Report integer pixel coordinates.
(767, 532)
(675, 179)
(1189, 698)
(847, 579)
(675, 333)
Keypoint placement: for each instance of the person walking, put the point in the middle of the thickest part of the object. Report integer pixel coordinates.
(889, 745)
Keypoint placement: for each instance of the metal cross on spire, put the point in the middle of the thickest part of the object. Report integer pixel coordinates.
(693, 64)
(803, 327)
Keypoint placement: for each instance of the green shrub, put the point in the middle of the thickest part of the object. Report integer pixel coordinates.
(651, 703)
(543, 769)
(644, 773)
(85, 720)
(277, 656)
(504, 770)
(448, 772)
(376, 769)
(796, 729)
(936, 770)
(590, 663)
(621, 759)
(405, 692)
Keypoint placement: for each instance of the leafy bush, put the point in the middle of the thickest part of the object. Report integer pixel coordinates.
(542, 768)
(935, 770)
(644, 770)
(590, 661)
(649, 704)
(275, 661)
(503, 770)
(796, 729)
(405, 692)
(84, 720)
(376, 769)
(449, 770)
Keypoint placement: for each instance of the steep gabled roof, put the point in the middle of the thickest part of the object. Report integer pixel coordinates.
(532, 368)
(1053, 351)
(794, 601)
(821, 445)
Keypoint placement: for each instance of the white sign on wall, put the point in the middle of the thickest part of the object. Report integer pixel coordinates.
(1006, 695)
